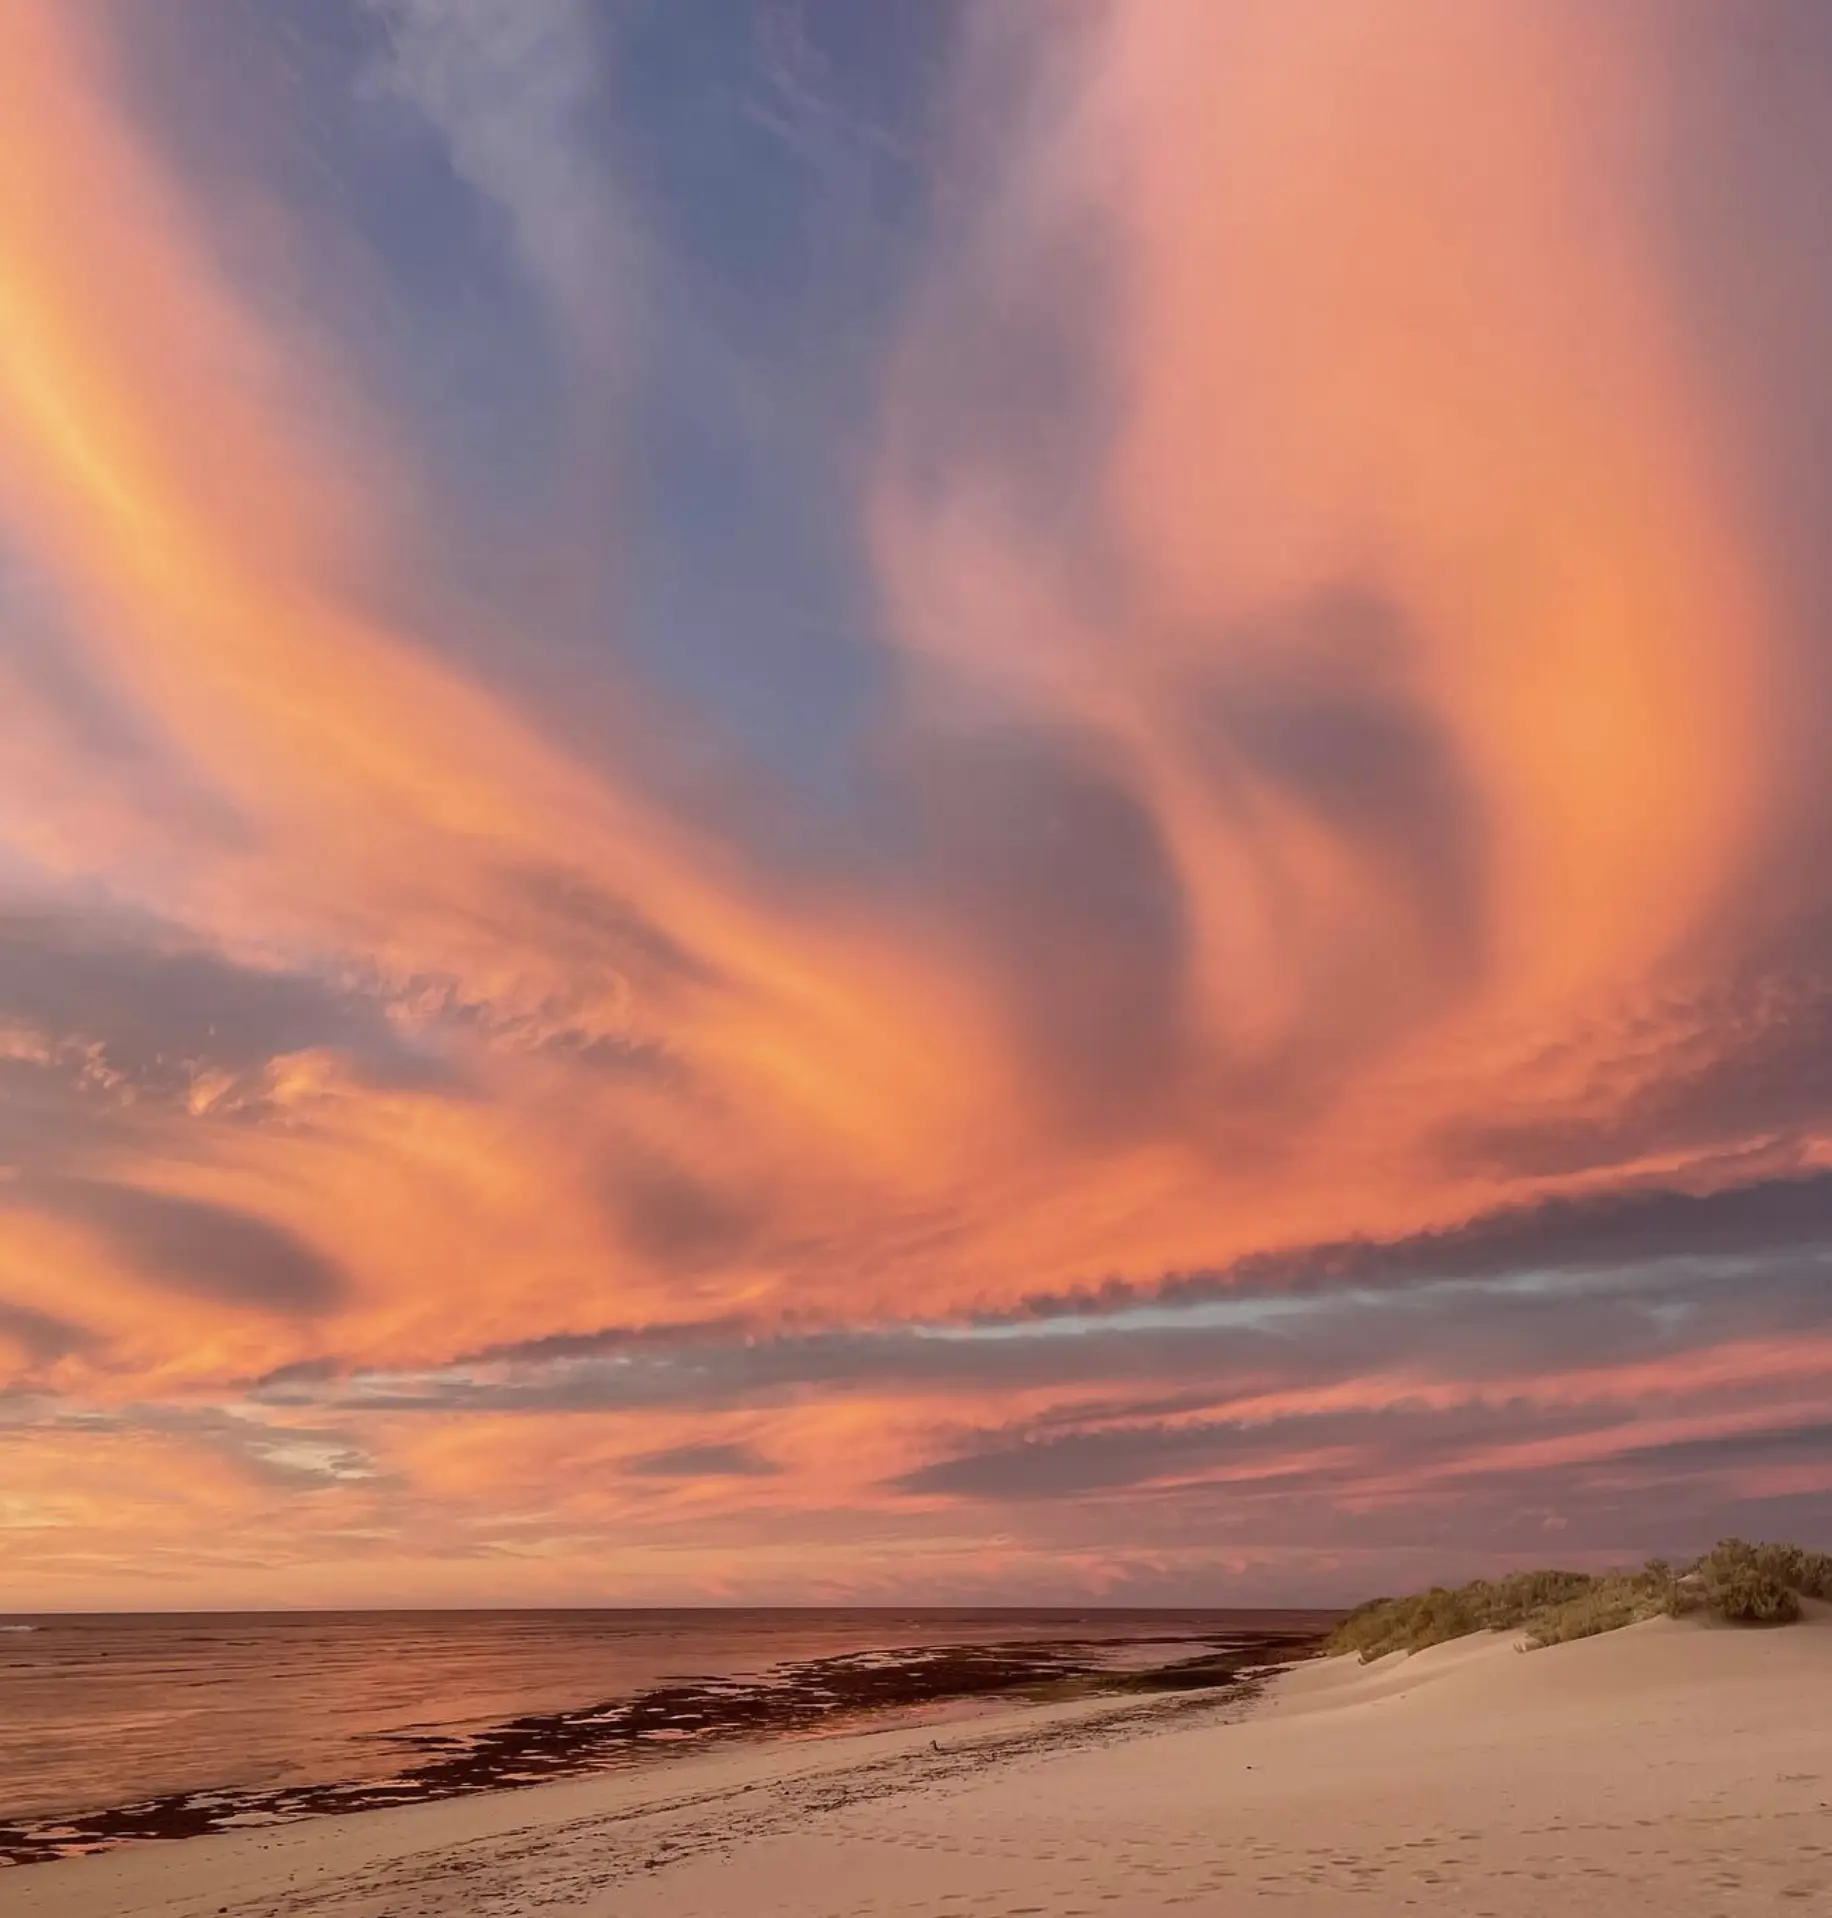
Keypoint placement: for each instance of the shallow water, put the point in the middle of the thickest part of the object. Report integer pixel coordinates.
(160, 1725)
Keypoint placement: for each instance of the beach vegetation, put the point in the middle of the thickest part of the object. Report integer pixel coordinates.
(1756, 1584)
(1735, 1581)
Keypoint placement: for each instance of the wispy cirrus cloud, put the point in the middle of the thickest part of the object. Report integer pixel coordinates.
(1116, 811)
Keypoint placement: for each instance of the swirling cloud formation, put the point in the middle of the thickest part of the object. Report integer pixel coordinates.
(825, 802)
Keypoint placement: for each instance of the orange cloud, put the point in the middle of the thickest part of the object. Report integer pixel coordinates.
(1325, 669)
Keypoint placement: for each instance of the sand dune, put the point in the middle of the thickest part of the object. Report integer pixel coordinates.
(1674, 1767)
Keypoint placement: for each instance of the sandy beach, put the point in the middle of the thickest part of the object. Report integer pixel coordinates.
(1675, 1767)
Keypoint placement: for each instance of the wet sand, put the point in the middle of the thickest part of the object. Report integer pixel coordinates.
(1676, 1768)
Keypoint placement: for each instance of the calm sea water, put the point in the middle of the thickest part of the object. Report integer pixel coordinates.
(108, 1711)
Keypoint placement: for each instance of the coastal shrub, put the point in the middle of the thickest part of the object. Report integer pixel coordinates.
(1406, 1624)
(1758, 1584)
(1609, 1602)
(1750, 1597)
(1735, 1581)
(1735, 1560)
(1434, 1617)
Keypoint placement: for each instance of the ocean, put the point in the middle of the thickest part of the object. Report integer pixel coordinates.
(117, 1728)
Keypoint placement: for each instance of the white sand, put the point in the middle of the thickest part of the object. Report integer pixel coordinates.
(1673, 1768)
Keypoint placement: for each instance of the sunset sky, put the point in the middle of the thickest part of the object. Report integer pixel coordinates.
(899, 800)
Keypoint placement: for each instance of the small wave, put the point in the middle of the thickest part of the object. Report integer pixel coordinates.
(18, 1628)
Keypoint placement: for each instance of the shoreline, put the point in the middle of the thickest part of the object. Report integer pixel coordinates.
(629, 1821)
(830, 1696)
(1672, 1767)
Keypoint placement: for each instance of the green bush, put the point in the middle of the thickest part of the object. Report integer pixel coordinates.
(1749, 1597)
(1612, 1601)
(1433, 1617)
(1809, 1574)
(1759, 1584)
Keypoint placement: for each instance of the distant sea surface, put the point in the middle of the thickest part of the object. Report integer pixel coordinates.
(118, 1728)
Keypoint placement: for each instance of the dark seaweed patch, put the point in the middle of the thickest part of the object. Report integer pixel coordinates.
(792, 1698)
